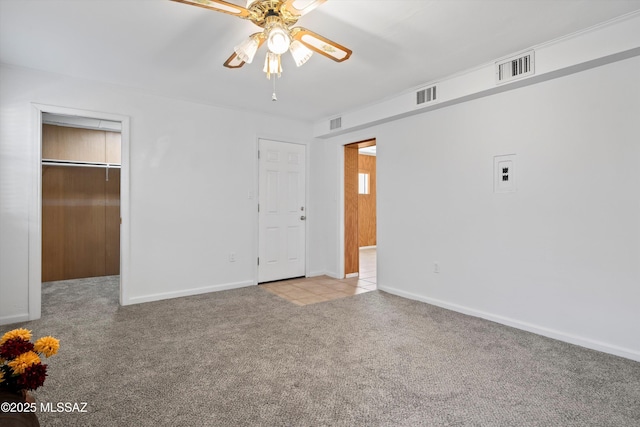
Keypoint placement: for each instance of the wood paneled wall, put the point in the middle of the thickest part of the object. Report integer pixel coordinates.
(367, 203)
(113, 147)
(80, 145)
(80, 205)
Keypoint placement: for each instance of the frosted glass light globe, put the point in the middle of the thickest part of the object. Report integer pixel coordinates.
(278, 40)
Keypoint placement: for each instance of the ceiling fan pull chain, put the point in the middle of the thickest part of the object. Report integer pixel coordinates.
(273, 95)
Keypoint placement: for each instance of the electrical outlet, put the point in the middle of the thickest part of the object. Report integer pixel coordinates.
(436, 267)
(504, 174)
(232, 257)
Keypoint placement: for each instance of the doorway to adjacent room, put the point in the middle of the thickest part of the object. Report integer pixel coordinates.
(360, 212)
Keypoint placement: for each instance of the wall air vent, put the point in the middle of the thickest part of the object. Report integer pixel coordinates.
(515, 67)
(335, 123)
(426, 96)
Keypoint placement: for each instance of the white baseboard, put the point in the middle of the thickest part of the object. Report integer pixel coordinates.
(324, 273)
(16, 318)
(368, 247)
(350, 275)
(540, 330)
(316, 273)
(187, 292)
(333, 274)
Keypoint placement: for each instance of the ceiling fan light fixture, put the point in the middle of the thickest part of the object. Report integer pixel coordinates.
(278, 38)
(247, 49)
(276, 18)
(300, 52)
(272, 64)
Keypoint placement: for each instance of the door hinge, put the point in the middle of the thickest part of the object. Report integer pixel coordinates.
(258, 260)
(258, 207)
(258, 153)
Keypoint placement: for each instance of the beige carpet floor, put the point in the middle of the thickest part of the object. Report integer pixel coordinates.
(247, 357)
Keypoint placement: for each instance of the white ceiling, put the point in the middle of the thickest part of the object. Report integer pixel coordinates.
(177, 50)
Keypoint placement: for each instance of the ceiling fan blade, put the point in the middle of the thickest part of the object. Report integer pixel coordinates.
(321, 44)
(234, 61)
(218, 6)
(289, 5)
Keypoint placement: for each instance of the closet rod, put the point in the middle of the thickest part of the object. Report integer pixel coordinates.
(80, 164)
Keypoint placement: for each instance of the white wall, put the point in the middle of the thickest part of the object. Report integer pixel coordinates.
(605, 42)
(317, 211)
(561, 256)
(192, 167)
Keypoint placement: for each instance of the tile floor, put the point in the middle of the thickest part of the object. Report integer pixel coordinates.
(311, 290)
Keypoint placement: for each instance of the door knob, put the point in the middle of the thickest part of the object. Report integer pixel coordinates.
(303, 217)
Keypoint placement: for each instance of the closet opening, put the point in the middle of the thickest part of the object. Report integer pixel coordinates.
(80, 216)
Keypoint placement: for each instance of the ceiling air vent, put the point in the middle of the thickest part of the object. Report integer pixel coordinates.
(335, 123)
(425, 96)
(515, 67)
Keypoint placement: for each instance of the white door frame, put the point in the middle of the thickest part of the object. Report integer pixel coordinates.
(35, 205)
(257, 200)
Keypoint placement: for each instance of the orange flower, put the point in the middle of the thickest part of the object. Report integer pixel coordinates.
(22, 333)
(1, 377)
(23, 361)
(47, 346)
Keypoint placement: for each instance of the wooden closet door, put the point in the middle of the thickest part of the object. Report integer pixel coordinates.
(73, 222)
(53, 210)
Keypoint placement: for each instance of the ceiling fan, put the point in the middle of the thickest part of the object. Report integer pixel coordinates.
(276, 17)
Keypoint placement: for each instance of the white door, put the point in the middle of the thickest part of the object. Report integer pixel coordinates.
(281, 238)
